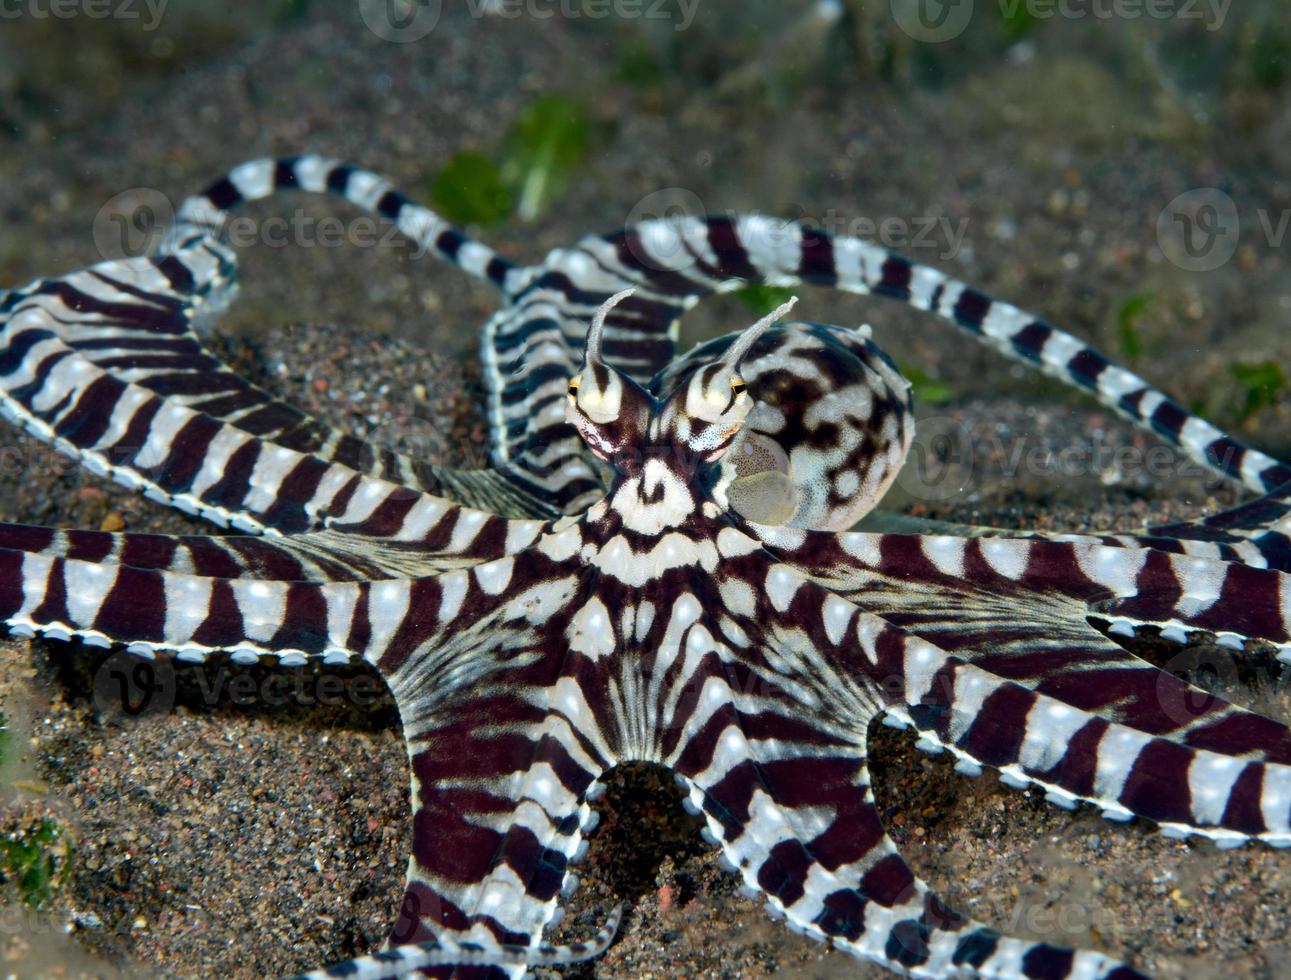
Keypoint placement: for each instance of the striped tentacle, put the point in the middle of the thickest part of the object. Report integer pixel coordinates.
(181, 456)
(189, 615)
(204, 215)
(429, 536)
(1080, 756)
(756, 686)
(804, 831)
(539, 469)
(528, 361)
(133, 321)
(196, 596)
(1263, 548)
(969, 593)
(1257, 532)
(455, 538)
(786, 792)
(1074, 754)
(230, 557)
(502, 756)
(641, 331)
(535, 343)
(539, 466)
(1255, 545)
(401, 961)
(1128, 587)
(200, 219)
(723, 253)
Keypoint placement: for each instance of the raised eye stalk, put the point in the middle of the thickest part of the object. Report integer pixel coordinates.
(736, 352)
(592, 352)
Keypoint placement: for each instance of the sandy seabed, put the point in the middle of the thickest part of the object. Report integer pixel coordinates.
(244, 839)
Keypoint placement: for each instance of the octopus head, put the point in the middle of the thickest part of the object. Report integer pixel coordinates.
(623, 424)
(665, 454)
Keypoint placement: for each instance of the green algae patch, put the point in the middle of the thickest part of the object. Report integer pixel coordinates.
(469, 190)
(1127, 323)
(1262, 383)
(763, 299)
(36, 859)
(546, 146)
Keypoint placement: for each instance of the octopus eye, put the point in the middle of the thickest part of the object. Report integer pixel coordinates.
(573, 386)
(737, 385)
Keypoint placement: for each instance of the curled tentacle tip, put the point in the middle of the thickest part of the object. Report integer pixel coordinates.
(611, 928)
(613, 921)
(604, 937)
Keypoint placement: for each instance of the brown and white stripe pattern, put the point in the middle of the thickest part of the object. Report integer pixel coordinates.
(832, 418)
(969, 593)
(530, 656)
(533, 342)
(691, 257)
(533, 476)
(674, 263)
(414, 957)
(204, 215)
(485, 660)
(105, 365)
